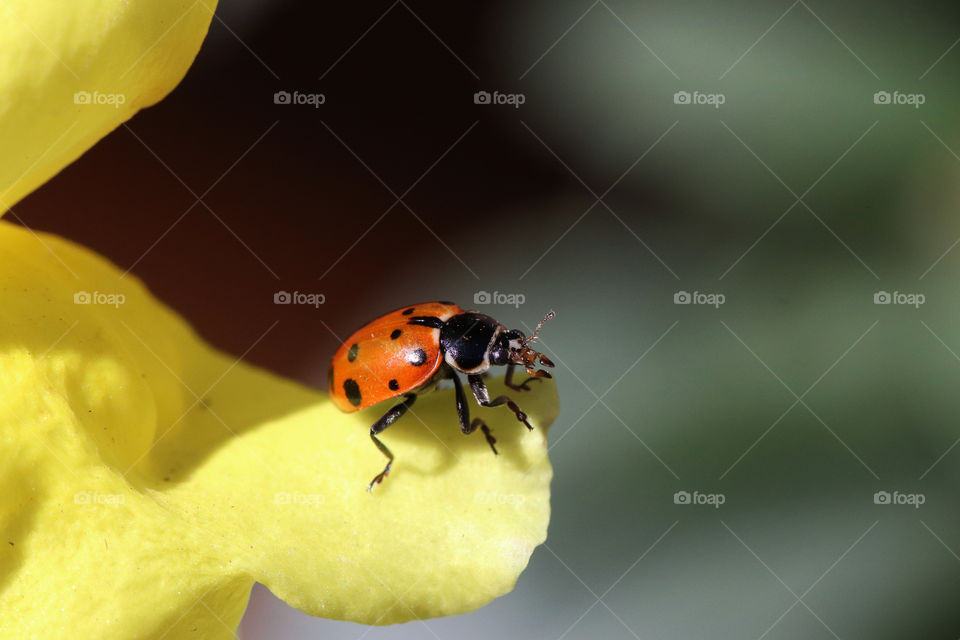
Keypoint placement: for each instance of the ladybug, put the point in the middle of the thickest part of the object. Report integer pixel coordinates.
(408, 351)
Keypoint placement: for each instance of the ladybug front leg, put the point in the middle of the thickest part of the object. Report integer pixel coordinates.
(483, 398)
(463, 413)
(508, 380)
(388, 419)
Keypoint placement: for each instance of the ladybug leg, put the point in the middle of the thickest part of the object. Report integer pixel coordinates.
(508, 380)
(463, 412)
(483, 398)
(388, 419)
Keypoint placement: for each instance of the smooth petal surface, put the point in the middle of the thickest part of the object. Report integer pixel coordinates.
(71, 72)
(149, 479)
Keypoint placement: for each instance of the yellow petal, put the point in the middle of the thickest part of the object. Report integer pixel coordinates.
(71, 72)
(149, 480)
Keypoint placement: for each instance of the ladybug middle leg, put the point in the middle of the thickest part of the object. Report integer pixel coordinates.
(483, 398)
(388, 419)
(463, 412)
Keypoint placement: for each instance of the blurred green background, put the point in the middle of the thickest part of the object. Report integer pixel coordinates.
(603, 196)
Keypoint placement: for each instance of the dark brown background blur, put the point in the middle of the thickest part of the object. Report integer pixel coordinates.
(298, 199)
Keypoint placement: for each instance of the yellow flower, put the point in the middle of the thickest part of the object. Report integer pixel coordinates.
(149, 480)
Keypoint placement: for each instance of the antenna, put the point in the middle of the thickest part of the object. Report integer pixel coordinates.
(550, 315)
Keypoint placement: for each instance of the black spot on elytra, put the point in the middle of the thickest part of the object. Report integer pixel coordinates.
(417, 358)
(395, 334)
(394, 385)
(352, 389)
(352, 354)
(407, 312)
(426, 321)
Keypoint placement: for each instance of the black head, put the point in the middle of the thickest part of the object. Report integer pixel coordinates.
(512, 347)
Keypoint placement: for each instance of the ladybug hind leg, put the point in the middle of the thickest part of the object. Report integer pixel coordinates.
(463, 413)
(388, 419)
